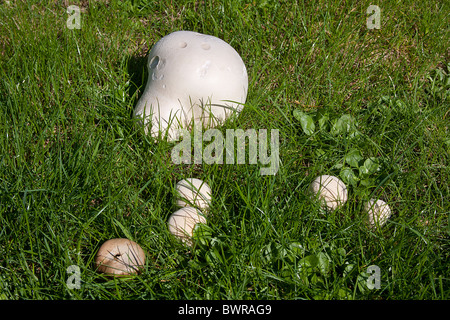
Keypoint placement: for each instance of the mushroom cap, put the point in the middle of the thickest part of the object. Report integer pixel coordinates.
(193, 192)
(183, 221)
(191, 77)
(378, 212)
(120, 257)
(330, 190)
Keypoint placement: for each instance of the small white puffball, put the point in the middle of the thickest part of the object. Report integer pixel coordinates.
(120, 257)
(378, 212)
(330, 190)
(183, 221)
(192, 192)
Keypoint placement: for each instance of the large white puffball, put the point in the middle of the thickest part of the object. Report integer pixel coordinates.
(183, 221)
(192, 192)
(330, 190)
(378, 212)
(192, 79)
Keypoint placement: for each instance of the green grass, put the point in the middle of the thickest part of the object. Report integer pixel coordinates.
(75, 171)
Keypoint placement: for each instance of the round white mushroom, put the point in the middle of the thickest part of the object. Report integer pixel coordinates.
(120, 257)
(183, 222)
(377, 211)
(330, 190)
(192, 192)
(193, 79)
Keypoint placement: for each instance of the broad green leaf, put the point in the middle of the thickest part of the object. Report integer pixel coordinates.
(309, 262)
(316, 279)
(297, 248)
(369, 167)
(366, 182)
(345, 124)
(353, 157)
(344, 293)
(361, 282)
(306, 122)
(342, 254)
(348, 269)
(348, 176)
(323, 119)
(323, 262)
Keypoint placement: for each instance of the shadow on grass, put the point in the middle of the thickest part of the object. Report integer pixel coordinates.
(137, 69)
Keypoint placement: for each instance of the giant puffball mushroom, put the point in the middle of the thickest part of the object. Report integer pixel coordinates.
(378, 212)
(120, 257)
(192, 192)
(193, 79)
(330, 190)
(183, 221)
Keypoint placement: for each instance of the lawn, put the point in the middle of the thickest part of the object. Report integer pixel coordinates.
(371, 106)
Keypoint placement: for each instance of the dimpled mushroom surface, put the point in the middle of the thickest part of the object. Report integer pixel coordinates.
(192, 192)
(378, 212)
(183, 222)
(193, 79)
(120, 257)
(330, 190)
